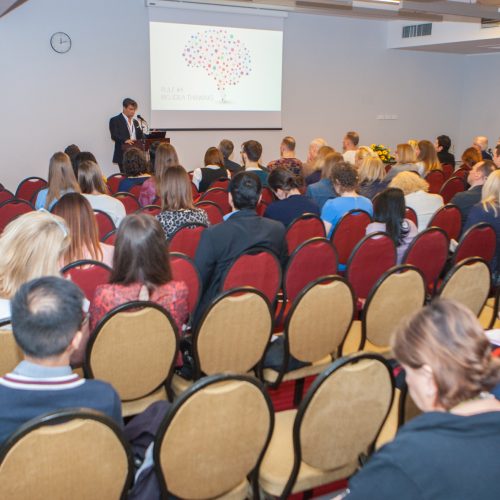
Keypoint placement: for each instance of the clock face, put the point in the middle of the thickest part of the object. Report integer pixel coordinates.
(60, 42)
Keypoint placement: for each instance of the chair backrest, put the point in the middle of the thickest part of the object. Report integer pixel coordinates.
(304, 228)
(10, 209)
(233, 333)
(186, 238)
(110, 238)
(220, 183)
(29, 186)
(227, 421)
(398, 293)
(5, 195)
(451, 187)
(219, 196)
(258, 268)
(411, 215)
(478, 241)
(79, 454)
(449, 219)
(461, 172)
(88, 275)
(267, 195)
(468, 282)
(436, 179)
(134, 348)
(313, 259)
(149, 210)
(113, 182)
(372, 257)
(130, 202)
(183, 269)
(194, 191)
(447, 170)
(10, 353)
(349, 231)
(428, 252)
(105, 223)
(135, 190)
(214, 212)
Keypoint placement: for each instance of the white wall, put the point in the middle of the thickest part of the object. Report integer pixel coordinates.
(338, 75)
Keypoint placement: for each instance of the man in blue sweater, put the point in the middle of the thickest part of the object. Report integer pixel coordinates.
(46, 319)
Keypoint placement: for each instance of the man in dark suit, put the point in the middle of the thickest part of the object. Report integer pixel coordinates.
(242, 230)
(124, 129)
(226, 147)
(443, 144)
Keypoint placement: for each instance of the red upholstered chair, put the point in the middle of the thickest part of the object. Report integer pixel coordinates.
(267, 195)
(304, 228)
(110, 238)
(258, 268)
(372, 257)
(451, 187)
(478, 241)
(135, 190)
(214, 212)
(194, 191)
(411, 215)
(462, 173)
(428, 253)
(105, 223)
(449, 219)
(436, 179)
(130, 202)
(29, 186)
(5, 195)
(88, 275)
(113, 182)
(186, 239)
(183, 269)
(220, 183)
(447, 170)
(149, 210)
(348, 232)
(11, 209)
(261, 208)
(219, 196)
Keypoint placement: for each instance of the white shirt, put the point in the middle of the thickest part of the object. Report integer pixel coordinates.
(197, 174)
(4, 309)
(113, 207)
(425, 206)
(350, 156)
(131, 127)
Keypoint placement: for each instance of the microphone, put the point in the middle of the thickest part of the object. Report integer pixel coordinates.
(141, 118)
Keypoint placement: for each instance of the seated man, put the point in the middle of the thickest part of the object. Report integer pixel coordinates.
(481, 144)
(226, 147)
(251, 152)
(350, 146)
(442, 145)
(47, 320)
(288, 159)
(243, 229)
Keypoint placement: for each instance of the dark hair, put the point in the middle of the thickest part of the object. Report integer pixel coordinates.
(134, 162)
(141, 254)
(214, 157)
(389, 208)
(444, 141)
(346, 175)
(252, 149)
(80, 158)
(486, 167)
(282, 178)
(72, 151)
(90, 178)
(129, 102)
(46, 314)
(174, 189)
(353, 137)
(245, 188)
(226, 147)
(289, 143)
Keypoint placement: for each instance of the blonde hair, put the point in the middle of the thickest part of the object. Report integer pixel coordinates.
(319, 161)
(362, 153)
(405, 153)
(31, 246)
(371, 169)
(61, 177)
(414, 144)
(490, 197)
(409, 182)
(428, 156)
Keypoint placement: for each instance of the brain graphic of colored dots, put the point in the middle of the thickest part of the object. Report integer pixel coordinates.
(222, 55)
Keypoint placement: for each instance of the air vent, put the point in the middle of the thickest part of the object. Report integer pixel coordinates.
(489, 23)
(417, 30)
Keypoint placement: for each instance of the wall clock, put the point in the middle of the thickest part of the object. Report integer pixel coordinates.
(60, 42)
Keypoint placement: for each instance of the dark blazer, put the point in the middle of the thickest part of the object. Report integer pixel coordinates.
(446, 157)
(224, 242)
(120, 133)
(232, 166)
(466, 200)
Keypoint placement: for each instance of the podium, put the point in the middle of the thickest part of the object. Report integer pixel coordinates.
(144, 144)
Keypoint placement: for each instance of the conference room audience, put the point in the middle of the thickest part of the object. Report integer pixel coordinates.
(226, 147)
(61, 180)
(94, 189)
(389, 216)
(416, 196)
(72, 151)
(350, 146)
(443, 145)
(451, 450)
(316, 167)
(251, 153)
(176, 197)
(371, 177)
(470, 157)
(136, 168)
(165, 157)
(83, 231)
(291, 203)
(345, 182)
(481, 144)
(31, 246)
(141, 271)
(321, 191)
(288, 158)
(213, 170)
(406, 161)
(427, 157)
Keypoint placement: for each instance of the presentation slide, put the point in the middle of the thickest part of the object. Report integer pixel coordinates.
(215, 76)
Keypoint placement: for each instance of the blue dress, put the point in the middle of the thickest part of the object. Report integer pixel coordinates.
(333, 210)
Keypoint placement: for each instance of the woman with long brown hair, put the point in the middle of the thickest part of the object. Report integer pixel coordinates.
(213, 170)
(427, 156)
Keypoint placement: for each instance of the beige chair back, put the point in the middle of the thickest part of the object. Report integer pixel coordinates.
(134, 350)
(214, 437)
(320, 319)
(234, 333)
(10, 354)
(399, 293)
(468, 283)
(343, 416)
(80, 458)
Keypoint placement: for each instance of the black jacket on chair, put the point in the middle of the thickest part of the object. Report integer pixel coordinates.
(119, 134)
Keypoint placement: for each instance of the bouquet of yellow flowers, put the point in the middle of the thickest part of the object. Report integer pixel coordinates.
(384, 153)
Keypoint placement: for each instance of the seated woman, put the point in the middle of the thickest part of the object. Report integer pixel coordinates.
(82, 225)
(345, 182)
(406, 161)
(135, 167)
(165, 157)
(416, 196)
(94, 189)
(61, 181)
(389, 216)
(442, 452)
(291, 203)
(470, 157)
(427, 157)
(318, 164)
(141, 271)
(371, 177)
(321, 191)
(213, 170)
(177, 201)
(362, 153)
